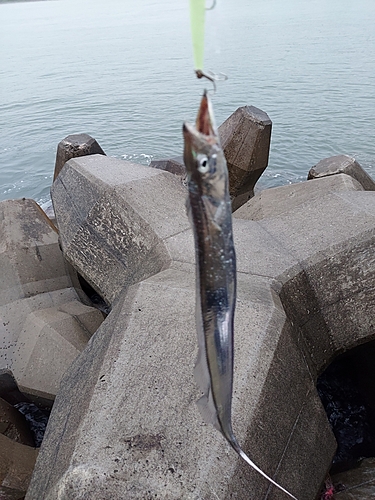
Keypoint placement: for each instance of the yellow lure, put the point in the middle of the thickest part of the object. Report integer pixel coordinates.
(197, 15)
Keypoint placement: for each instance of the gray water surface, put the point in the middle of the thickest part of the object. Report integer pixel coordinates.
(122, 71)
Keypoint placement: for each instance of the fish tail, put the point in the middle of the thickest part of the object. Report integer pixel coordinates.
(237, 448)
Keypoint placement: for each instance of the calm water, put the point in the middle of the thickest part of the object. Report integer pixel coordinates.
(122, 71)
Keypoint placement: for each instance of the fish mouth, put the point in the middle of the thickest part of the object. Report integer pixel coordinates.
(204, 133)
(205, 118)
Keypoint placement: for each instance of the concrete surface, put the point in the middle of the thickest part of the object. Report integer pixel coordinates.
(48, 343)
(113, 218)
(153, 442)
(342, 164)
(16, 464)
(357, 484)
(173, 165)
(245, 138)
(285, 199)
(42, 322)
(11, 494)
(9, 390)
(13, 424)
(124, 424)
(74, 146)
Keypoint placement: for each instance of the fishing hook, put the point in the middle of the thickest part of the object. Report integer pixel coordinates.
(211, 76)
(212, 6)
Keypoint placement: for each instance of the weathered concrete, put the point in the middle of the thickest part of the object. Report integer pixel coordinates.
(327, 299)
(305, 294)
(74, 146)
(342, 164)
(9, 390)
(47, 208)
(30, 259)
(114, 217)
(140, 452)
(60, 334)
(13, 424)
(11, 494)
(356, 484)
(245, 138)
(173, 165)
(16, 464)
(42, 322)
(285, 199)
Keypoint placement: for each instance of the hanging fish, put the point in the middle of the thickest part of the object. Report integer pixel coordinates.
(210, 213)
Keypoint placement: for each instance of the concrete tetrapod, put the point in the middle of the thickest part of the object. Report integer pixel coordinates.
(342, 164)
(246, 138)
(16, 465)
(74, 146)
(110, 229)
(124, 423)
(43, 324)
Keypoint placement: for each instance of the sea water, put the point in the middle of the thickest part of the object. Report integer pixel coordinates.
(122, 71)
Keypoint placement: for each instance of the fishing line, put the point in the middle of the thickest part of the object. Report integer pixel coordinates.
(212, 6)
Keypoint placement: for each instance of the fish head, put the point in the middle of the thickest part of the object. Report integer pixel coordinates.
(203, 156)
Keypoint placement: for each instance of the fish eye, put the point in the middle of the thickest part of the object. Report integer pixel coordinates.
(203, 164)
(206, 163)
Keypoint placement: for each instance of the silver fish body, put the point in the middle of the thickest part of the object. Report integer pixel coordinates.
(210, 212)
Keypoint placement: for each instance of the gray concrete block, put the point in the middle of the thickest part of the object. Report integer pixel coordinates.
(342, 320)
(10, 286)
(124, 424)
(47, 208)
(342, 284)
(30, 259)
(11, 493)
(79, 194)
(363, 202)
(42, 324)
(342, 164)
(301, 306)
(319, 224)
(13, 424)
(155, 443)
(14, 318)
(74, 146)
(311, 442)
(115, 237)
(245, 138)
(16, 463)
(347, 269)
(257, 251)
(88, 318)
(173, 165)
(48, 343)
(160, 201)
(356, 484)
(181, 247)
(285, 199)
